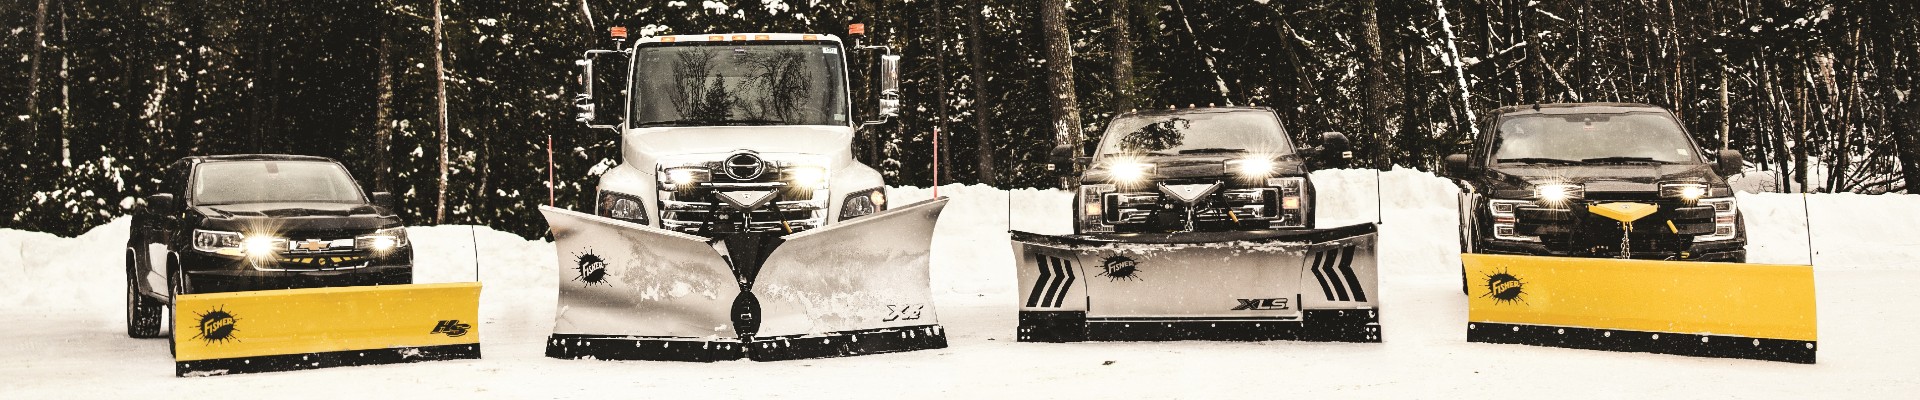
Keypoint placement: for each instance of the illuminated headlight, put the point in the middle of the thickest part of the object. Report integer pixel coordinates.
(1253, 167)
(1557, 194)
(261, 246)
(1128, 172)
(807, 177)
(1503, 220)
(1689, 192)
(622, 206)
(383, 240)
(682, 177)
(1726, 219)
(863, 203)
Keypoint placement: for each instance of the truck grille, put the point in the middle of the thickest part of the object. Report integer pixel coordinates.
(1573, 229)
(699, 209)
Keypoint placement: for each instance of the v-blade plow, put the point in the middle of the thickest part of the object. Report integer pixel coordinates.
(295, 329)
(1705, 309)
(855, 287)
(1314, 285)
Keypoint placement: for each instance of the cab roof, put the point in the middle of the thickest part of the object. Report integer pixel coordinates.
(737, 37)
(1577, 108)
(1191, 110)
(256, 157)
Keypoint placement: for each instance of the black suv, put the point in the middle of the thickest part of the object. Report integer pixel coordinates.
(1197, 169)
(258, 222)
(1531, 178)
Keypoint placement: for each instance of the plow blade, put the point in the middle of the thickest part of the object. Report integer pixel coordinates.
(294, 329)
(1314, 285)
(633, 292)
(1705, 309)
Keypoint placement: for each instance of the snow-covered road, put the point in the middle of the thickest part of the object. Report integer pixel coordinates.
(61, 332)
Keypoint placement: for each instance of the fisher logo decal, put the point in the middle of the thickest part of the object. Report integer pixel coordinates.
(1503, 287)
(1261, 304)
(451, 328)
(217, 326)
(904, 312)
(592, 268)
(1056, 279)
(1120, 268)
(1334, 269)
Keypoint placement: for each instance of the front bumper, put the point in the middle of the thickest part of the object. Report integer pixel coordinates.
(216, 273)
(1726, 251)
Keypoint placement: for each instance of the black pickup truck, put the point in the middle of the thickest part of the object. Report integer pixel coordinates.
(1532, 176)
(1198, 169)
(258, 222)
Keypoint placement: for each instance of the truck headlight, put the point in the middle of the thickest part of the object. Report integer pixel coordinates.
(1128, 173)
(863, 203)
(623, 207)
(1726, 219)
(809, 177)
(1689, 192)
(1093, 205)
(216, 241)
(1503, 220)
(383, 240)
(1293, 202)
(676, 178)
(1252, 167)
(1557, 194)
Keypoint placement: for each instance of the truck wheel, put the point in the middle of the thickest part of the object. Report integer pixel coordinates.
(143, 313)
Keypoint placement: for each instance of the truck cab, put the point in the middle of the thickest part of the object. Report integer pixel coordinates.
(1544, 179)
(1197, 169)
(733, 133)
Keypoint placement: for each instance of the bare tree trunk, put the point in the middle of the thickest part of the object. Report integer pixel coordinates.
(1376, 88)
(33, 74)
(1459, 70)
(940, 95)
(983, 133)
(1064, 103)
(1726, 109)
(383, 106)
(1123, 89)
(440, 104)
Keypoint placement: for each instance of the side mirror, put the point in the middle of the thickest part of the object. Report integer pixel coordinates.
(1458, 165)
(1335, 150)
(1731, 162)
(588, 107)
(160, 204)
(383, 199)
(889, 86)
(1061, 158)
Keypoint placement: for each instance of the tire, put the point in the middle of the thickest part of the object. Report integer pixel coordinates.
(176, 285)
(143, 313)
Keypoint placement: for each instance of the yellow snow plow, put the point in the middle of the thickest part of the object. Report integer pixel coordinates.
(294, 329)
(1706, 309)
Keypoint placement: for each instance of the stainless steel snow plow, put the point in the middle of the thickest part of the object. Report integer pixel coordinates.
(634, 292)
(1300, 284)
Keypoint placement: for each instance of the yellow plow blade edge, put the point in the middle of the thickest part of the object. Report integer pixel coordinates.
(1707, 309)
(280, 330)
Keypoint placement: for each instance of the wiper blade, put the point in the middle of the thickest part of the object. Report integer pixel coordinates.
(709, 122)
(1211, 150)
(1625, 160)
(673, 122)
(1536, 160)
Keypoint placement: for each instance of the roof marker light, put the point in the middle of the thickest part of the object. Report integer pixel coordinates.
(716, 38)
(857, 29)
(618, 32)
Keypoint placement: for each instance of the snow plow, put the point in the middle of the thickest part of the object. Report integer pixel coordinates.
(632, 292)
(1198, 224)
(739, 224)
(1604, 226)
(295, 329)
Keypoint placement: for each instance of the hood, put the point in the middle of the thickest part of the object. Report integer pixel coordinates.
(1186, 166)
(645, 146)
(294, 217)
(1604, 178)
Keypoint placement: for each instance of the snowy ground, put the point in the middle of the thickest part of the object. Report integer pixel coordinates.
(63, 333)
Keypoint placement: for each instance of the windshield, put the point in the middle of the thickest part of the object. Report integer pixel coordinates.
(734, 84)
(1633, 137)
(1249, 131)
(232, 182)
